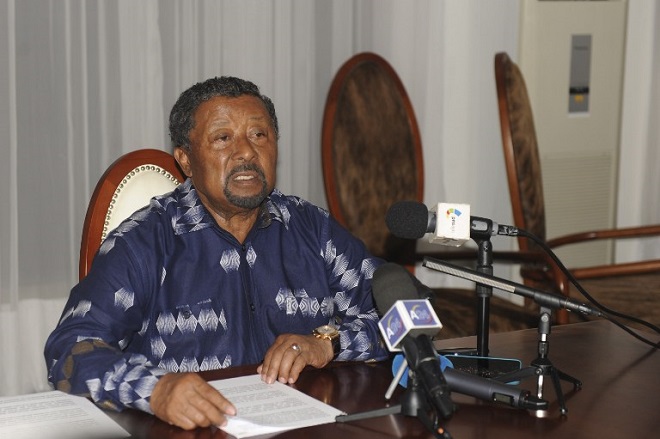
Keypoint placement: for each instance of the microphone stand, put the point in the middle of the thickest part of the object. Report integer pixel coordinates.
(542, 366)
(413, 403)
(484, 292)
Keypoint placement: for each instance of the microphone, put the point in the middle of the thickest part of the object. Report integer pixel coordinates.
(410, 333)
(542, 298)
(406, 327)
(393, 282)
(483, 388)
(451, 224)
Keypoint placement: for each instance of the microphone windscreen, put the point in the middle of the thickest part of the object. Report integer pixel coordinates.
(407, 219)
(392, 282)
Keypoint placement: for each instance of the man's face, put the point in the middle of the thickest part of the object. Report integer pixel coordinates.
(233, 154)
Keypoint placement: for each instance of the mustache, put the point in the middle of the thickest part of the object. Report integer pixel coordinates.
(248, 167)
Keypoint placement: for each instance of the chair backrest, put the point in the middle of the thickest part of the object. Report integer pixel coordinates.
(126, 186)
(372, 153)
(521, 154)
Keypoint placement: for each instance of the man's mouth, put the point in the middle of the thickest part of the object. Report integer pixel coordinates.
(247, 173)
(244, 177)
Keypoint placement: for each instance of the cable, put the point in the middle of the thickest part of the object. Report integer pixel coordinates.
(608, 313)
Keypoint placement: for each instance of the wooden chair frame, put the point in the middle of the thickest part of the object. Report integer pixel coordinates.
(95, 225)
(550, 273)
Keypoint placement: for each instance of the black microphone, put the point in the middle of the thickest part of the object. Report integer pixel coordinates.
(392, 282)
(542, 298)
(412, 220)
(427, 367)
(491, 390)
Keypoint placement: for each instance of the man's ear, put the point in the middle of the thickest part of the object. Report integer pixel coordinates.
(181, 156)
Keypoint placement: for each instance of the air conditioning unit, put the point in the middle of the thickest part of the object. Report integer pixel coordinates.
(572, 57)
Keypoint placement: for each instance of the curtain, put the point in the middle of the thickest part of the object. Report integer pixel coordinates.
(84, 81)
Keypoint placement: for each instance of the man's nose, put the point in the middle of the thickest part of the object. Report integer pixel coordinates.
(244, 149)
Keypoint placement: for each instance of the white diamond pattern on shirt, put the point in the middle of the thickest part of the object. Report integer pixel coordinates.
(368, 268)
(124, 298)
(189, 364)
(166, 323)
(349, 279)
(340, 265)
(80, 310)
(327, 307)
(342, 301)
(208, 320)
(330, 253)
(169, 364)
(145, 326)
(299, 301)
(223, 319)
(279, 212)
(309, 306)
(251, 256)
(158, 347)
(230, 260)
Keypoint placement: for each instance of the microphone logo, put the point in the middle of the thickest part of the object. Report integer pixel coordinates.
(452, 215)
(394, 328)
(408, 317)
(419, 314)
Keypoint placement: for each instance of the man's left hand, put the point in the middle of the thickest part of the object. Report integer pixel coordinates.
(289, 355)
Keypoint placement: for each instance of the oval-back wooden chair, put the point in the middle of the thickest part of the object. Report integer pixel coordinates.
(523, 167)
(126, 186)
(372, 158)
(372, 152)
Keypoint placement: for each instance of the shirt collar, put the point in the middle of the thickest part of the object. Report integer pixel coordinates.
(191, 215)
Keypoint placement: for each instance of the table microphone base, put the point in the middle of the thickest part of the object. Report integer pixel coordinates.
(542, 366)
(413, 403)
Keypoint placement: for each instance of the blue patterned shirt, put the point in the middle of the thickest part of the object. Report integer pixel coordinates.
(172, 291)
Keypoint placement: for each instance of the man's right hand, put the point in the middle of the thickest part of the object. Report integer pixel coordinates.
(187, 401)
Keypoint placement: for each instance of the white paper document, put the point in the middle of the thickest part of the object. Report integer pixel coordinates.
(55, 415)
(267, 408)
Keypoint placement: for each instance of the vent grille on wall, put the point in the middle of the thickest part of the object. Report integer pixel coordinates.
(579, 196)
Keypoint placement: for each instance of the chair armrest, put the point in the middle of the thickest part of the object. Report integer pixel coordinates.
(625, 269)
(627, 232)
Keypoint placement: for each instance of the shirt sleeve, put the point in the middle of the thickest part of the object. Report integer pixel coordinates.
(84, 353)
(350, 270)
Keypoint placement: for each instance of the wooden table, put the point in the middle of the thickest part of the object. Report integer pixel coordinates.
(620, 397)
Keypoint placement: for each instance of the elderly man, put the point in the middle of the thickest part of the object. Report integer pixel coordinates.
(223, 271)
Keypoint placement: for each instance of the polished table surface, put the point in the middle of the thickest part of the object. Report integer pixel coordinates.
(620, 395)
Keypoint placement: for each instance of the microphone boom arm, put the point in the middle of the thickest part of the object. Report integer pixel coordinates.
(542, 298)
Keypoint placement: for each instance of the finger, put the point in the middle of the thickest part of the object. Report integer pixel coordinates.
(276, 365)
(210, 407)
(271, 365)
(293, 355)
(186, 400)
(297, 367)
(273, 357)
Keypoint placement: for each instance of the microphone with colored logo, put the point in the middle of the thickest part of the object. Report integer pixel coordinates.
(448, 223)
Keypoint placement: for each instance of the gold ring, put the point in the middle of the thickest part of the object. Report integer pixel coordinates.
(295, 347)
